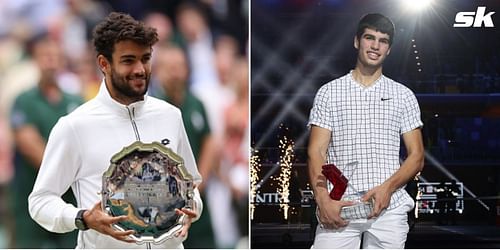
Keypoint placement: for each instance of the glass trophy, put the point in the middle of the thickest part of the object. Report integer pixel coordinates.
(338, 183)
(147, 182)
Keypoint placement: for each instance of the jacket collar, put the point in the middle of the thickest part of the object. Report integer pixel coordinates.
(132, 110)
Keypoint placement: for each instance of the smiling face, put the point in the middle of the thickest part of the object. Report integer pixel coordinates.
(127, 76)
(373, 47)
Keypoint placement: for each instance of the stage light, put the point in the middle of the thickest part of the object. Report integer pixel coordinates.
(416, 5)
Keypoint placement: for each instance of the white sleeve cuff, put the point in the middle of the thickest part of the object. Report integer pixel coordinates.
(198, 204)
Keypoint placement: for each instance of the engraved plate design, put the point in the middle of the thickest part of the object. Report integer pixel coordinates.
(147, 182)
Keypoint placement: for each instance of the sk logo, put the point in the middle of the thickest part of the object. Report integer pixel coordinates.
(474, 19)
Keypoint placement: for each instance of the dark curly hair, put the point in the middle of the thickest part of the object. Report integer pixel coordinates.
(378, 22)
(119, 27)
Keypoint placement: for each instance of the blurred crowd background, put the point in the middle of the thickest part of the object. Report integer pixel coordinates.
(200, 64)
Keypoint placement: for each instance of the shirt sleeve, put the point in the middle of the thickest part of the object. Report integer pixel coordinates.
(321, 112)
(411, 113)
(198, 204)
(184, 150)
(190, 163)
(19, 115)
(57, 172)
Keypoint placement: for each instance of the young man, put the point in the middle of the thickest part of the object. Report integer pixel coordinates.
(82, 143)
(361, 117)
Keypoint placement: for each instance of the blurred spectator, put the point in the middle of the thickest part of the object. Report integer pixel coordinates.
(236, 152)
(18, 74)
(74, 26)
(230, 17)
(230, 186)
(5, 177)
(35, 15)
(33, 115)
(211, 81)
(88, 74)
(235, 158)
(163, 26)
(173, 78)
(166, 35)
(6, 169)
(226, 55)
(195, 30)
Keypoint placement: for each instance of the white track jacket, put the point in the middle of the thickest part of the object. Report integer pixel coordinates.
(79, 151)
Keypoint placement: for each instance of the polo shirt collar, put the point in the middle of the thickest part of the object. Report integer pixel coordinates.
(123, 110)
(361, 86)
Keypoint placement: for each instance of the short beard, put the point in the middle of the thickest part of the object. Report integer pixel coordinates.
(120, 84)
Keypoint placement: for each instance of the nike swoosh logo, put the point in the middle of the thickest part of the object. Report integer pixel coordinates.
(385, 99)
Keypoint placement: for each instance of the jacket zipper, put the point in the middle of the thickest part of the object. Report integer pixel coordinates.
(131, 115)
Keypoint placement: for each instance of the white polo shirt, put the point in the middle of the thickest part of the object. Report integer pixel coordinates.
(366, 125)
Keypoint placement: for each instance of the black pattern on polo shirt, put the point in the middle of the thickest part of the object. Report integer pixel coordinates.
(366, 125)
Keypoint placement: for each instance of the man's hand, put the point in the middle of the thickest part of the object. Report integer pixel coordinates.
(187, 223)
(329, 213)
(101, 222)
(381, 196)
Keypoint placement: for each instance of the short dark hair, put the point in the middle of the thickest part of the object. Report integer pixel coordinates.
(378, 22)
(37, 38)
(119, 27)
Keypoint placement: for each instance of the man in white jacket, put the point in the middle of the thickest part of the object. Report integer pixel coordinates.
(82, 143)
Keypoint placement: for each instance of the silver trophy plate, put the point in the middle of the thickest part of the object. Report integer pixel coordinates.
(147, 182)
(359, 209)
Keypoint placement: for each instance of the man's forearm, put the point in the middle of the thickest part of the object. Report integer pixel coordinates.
(318, 146)
(411, 166)
(31, 144)
(317, 179)
(413, 163)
